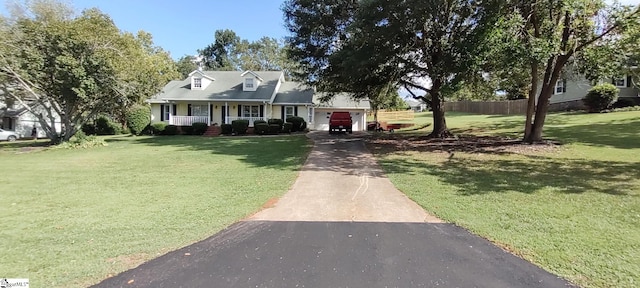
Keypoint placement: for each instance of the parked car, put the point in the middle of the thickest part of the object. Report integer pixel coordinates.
(6, 135)
(340, 121)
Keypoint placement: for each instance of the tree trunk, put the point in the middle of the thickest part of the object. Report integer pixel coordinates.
(440, 129)
(531, 102)
(542, 108)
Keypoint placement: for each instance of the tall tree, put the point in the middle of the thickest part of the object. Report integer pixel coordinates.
(222, 54)
(548, 35)
(404, 42)
(230, 52)
(186, 64)
(55, 64)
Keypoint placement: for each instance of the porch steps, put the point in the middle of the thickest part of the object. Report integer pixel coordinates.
(213, 131)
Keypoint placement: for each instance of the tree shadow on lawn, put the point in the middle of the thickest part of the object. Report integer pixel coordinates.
(618, 134)
(525, 175)
(279, 152)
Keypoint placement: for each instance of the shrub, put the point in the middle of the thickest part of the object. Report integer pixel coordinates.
(274, 128)
(186, 130)
(88, 128)
(81, 140)
(297, 123)
(158, 128)
(286, 128)
(199, 128)
(622, 103)
(227, 129)
(138, 117)
(601, 97)
(106, 126)
(279, 122)
(258, 122)
(240, 126)
(170, 130)
(261, 128)
(303, 127)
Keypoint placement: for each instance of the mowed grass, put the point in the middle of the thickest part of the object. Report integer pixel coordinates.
(71, 218)
(575, 210)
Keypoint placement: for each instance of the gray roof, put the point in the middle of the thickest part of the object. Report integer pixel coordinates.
(226, 87)
(294, 93)
(341, 100)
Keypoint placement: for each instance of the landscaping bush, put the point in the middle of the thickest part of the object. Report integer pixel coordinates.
(240, 126)
(88, 129)
(297, 123)
(601, 97)
(170, 130)
(258, 122)
(186, 130)
(138, 117)
(261, 128)
(279, 122)
(274, 128)
(286, 128)
(227, 129)
(106, 126)
(622, 103)
(303, 126)
(157, 128)
(81, 140)
(199, 128)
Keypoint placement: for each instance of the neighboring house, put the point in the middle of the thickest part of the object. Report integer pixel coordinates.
(216, 97)
(568, 93)
(416, 105)
(21, 121)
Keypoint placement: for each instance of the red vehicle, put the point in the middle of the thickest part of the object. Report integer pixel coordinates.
(340, 121)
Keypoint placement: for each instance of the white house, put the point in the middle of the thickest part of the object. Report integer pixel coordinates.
(216, 97)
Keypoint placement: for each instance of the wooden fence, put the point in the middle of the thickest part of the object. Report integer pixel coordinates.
(395, 116)
(490, 107)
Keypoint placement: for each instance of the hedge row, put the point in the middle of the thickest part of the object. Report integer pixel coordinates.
(261, 127)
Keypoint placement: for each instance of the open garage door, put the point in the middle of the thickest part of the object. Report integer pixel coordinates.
(321, 118)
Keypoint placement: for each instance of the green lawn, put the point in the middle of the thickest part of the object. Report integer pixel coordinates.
(574, 211)
(72, 217)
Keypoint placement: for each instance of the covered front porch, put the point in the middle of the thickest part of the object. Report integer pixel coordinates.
(187, 113)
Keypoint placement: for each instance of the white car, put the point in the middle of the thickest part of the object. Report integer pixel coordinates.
(8, 135)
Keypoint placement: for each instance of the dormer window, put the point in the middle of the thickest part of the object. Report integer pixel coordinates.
(197, 82)
(248, 83)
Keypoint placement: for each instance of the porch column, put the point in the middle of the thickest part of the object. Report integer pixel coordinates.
(264, 111)
(170, 113)
(226, 112)
(208, 113)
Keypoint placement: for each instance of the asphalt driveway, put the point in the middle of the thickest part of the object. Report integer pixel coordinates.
(342, 224)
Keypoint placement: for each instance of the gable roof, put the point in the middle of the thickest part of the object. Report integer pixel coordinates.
(202, 74)
(252, 73)
(227, 87)
(293, 93)
(342, 100)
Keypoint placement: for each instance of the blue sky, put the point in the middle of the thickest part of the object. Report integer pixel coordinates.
(182, 27)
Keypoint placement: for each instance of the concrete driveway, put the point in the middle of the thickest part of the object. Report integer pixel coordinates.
(342, 224)
(341, 181)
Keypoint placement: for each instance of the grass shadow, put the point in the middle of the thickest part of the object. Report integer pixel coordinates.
(618, 134)
(525, 175)
(279, 152)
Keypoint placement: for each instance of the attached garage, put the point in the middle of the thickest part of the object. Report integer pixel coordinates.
(339, 102)
(321, 118)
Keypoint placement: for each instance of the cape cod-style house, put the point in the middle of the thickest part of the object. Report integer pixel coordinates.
(216, 97)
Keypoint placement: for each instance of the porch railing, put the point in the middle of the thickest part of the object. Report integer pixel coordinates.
(251, 119)
(187, 120)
